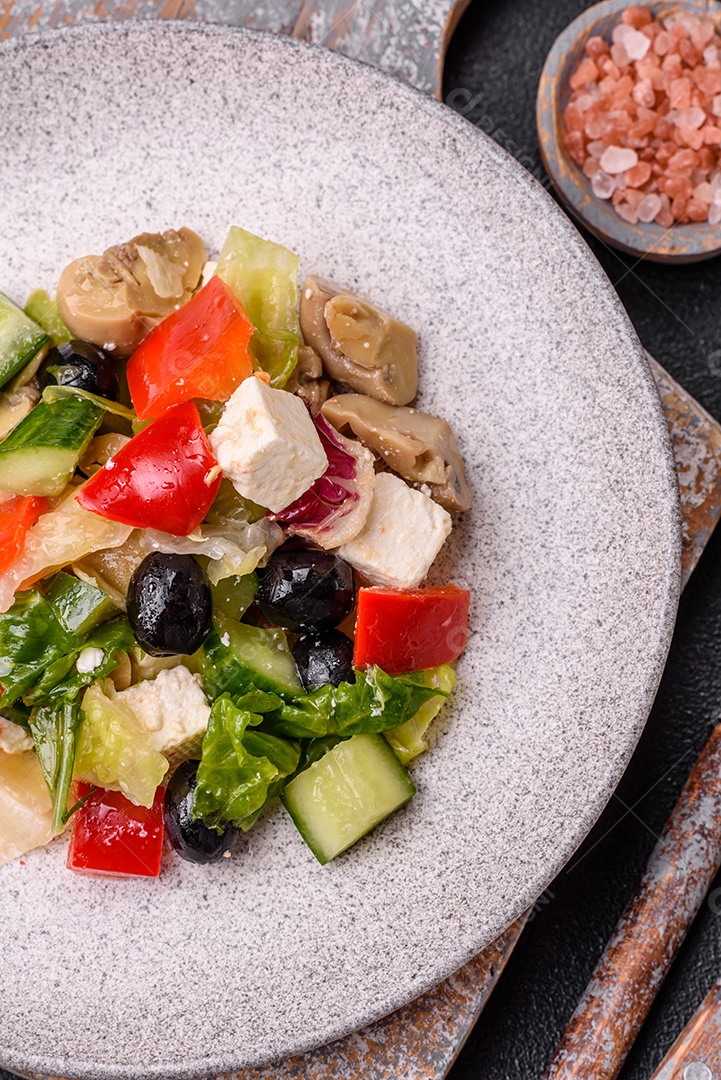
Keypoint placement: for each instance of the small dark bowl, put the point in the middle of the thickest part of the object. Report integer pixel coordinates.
(681, 243)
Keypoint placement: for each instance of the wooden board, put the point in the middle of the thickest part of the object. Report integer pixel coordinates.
(407, 38)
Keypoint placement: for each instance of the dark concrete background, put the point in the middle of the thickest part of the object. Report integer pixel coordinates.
(492, 74)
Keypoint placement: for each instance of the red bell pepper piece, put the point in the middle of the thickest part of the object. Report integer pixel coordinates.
(114, 838)
(410, 630)
(160, 479)
(17, 515)
(200, 351)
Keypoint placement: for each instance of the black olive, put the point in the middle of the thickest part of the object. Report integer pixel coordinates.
(301, 588)
(322, 658)
(81, 364)
(169, 604)
(192, 840)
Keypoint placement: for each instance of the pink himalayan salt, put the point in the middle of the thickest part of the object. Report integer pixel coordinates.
(603, 185)
(696, 210)
(704, 192)
(714, 214)
(644, 94)
(636, 16)
(639, 175)
(618, 159)
(613, 116)
(585, 72)
(627, 213)
(636, 44)
(662, 43)
(649, 209)
(716, 105)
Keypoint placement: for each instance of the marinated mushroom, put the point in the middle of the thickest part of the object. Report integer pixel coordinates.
(360, 345)
(307, 379)
(419, 447)
(114, 299)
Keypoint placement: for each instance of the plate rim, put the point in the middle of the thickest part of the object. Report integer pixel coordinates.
(21, 1060)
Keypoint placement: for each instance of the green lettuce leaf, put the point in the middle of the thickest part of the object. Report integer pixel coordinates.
(408, 740)
(63, 682)
(374, 702)
(55, 732)
(240, 770)
(114, 751)
(264, 278)
(31, 640)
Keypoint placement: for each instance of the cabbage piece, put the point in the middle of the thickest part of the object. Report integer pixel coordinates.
(113, 750)
(264, 278)
(60, 537)
(408, 740)
(335, 508)
(234, 549)
(240, 770)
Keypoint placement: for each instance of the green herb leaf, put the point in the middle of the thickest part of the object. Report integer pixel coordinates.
(55, 732)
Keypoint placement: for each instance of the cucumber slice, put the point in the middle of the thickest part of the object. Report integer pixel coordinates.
(237, 658)
(79, 607)
(45, 312)
(39, 456)
(20, 339)
(232, 596)
(339, 799)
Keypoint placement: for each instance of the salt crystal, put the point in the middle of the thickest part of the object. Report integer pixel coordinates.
(618, 159)
(704, 192)
(716, 105)
(635, 44)
(619, 32)
(715, 180)
(662, 44)
(711, 56)
(596, 148)
(693, 117)
(644, 94)
(619, 56)
(648, 209)
(584, 102)
(603, 185)
(627, 213)
(714, 214)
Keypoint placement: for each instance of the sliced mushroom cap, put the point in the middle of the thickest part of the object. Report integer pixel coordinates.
(419, 447)
(307, 379)
(114, 299)
(360, 345)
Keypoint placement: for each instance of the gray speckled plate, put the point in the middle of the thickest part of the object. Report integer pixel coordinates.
(572, 549)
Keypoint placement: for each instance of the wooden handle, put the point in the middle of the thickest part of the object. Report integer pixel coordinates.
(696, 1054)
(650, 931)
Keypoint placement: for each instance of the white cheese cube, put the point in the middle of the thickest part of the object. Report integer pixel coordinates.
(26, 812)
(404, 532)
(267, 444)
(13, 738)
(173, 710)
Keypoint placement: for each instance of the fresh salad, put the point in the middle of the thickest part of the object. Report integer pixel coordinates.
(217, 510)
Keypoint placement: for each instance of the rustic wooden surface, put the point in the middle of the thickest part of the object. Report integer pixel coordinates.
(696, 1054)
(407, 38)
(650, 931)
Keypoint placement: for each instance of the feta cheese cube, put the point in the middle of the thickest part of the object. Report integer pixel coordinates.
(13, 738)
(173, 710)
(267, 444)
(88, 660)
(404, 532)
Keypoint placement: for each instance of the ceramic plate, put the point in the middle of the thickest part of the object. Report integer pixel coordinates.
(571, 550)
